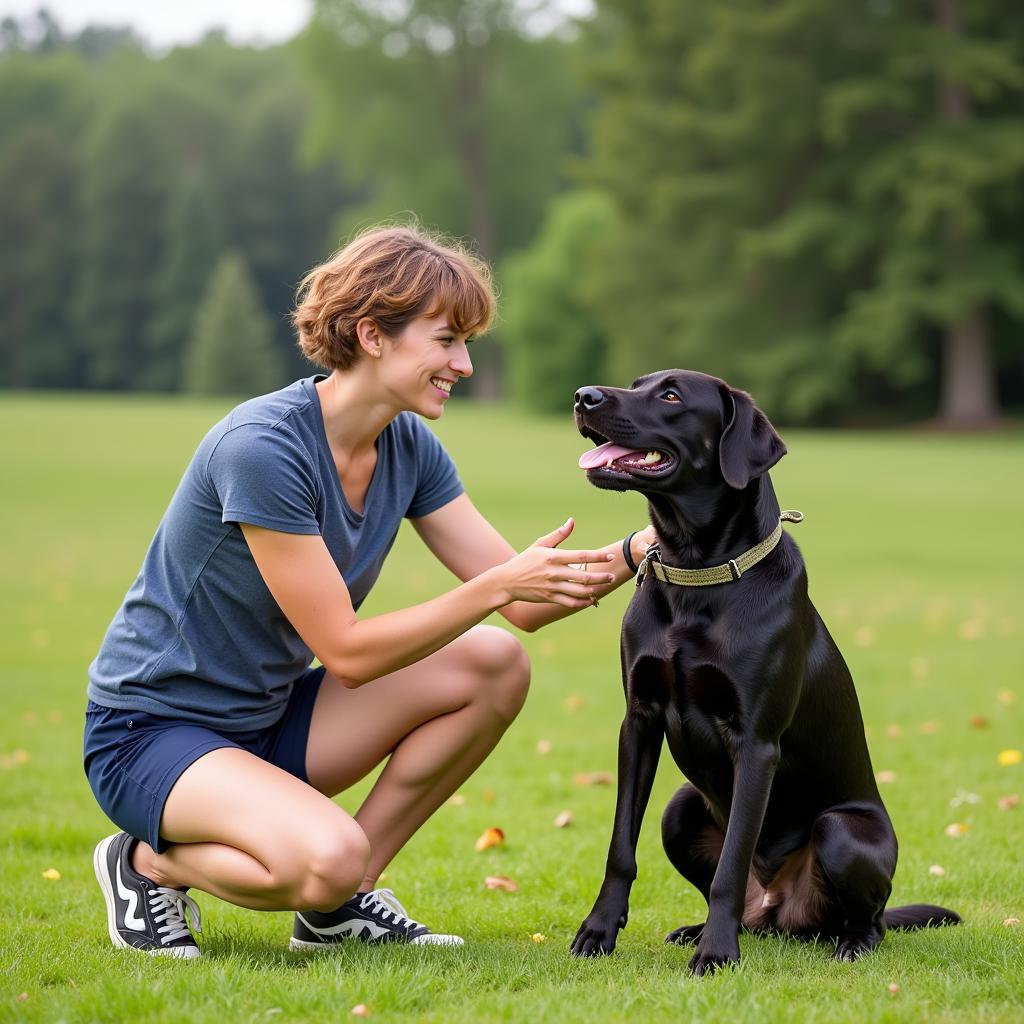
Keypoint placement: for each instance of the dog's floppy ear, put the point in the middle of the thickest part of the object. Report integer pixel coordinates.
(749, 446)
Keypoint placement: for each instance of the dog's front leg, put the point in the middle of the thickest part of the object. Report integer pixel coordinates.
(719, 942)
(639, 748)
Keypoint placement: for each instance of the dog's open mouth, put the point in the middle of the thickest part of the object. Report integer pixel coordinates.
(618, 458)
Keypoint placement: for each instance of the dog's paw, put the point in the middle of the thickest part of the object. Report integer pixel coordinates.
(853, 947)
(685, 934)
(596, 937)
(709, 958)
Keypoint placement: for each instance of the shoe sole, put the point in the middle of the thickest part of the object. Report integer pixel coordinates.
(303, 946)
(99, 865)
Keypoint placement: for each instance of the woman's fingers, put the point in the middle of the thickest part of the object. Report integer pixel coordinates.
(581, 557)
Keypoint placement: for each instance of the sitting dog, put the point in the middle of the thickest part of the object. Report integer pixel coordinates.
(780, 827)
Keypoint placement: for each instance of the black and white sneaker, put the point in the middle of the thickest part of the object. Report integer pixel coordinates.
(141, 914)
(374, 916)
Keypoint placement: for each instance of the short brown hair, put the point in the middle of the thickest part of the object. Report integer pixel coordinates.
(390, 275)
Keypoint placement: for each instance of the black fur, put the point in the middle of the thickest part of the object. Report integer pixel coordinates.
(781, 826)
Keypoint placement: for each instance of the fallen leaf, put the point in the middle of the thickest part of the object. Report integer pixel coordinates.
(457, 800)
(957, 829)
(937, 870)
(537, 937)
(543, 746)
(488, 795)
(51, 875)
(963, 797)
(929, 728)
(362, 1010)
(885, 776)
(893, 987)
(501, 882)
(1006, 697)
(574, 703)
(971, 629)
(1011, 922)
(919, 667)
(491, 837)
(894, 732)
(1007, 758)
(864, 636)
(55, 718)
(593, 778)
(564, 819)
(23, 997)
(1008, 802)
(30, 718)
(979, 722)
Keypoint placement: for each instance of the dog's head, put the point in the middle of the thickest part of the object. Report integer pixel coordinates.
(674, 429)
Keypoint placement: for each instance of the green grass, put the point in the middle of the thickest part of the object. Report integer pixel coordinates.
(913, 546)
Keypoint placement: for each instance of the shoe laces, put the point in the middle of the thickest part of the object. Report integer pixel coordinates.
(383, 903)
(176, 911)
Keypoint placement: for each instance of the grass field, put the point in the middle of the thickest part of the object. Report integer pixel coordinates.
(913, 546)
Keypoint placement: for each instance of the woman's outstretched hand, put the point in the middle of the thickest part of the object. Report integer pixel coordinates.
(543, 573)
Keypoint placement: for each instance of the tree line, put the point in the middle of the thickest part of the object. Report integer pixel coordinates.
(820, 202)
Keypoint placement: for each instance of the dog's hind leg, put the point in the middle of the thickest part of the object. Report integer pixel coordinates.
(855, 851)
(693, 844)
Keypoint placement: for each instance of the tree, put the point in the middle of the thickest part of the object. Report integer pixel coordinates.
(193, 238)
(800, 215)
(232, 349)
(553, 339)
(451, 109)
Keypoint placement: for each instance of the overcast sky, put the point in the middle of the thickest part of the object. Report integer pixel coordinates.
(166, 22)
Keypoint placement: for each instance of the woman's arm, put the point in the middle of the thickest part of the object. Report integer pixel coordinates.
(462, 538)
(302, 576)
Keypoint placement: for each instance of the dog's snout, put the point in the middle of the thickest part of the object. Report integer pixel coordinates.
(587, 398)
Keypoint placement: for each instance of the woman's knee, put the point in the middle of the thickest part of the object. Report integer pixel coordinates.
(500, 670)
(333, 865)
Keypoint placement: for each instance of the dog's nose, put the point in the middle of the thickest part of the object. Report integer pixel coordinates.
(588, 398)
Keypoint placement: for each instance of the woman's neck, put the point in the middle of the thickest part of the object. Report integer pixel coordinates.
(354, 412)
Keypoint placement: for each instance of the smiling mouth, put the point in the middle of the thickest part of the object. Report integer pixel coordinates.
(442, 385)
(614, 458)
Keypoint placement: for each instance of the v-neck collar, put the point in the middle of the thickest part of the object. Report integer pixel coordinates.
(354, 517)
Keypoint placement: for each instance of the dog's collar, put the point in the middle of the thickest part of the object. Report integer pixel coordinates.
(728, 573)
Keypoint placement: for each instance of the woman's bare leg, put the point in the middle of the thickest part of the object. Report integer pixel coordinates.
(438, 719)
(256, 836)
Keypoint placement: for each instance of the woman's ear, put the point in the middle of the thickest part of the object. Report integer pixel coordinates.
(749, 445)
(369, 337)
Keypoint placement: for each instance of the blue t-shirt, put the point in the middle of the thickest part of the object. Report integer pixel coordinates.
(199, 636)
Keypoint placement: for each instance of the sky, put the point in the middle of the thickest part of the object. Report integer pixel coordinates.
(165, 24)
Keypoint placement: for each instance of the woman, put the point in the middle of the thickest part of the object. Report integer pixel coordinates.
(209, 740)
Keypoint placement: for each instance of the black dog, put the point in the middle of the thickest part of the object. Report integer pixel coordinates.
(780, 827)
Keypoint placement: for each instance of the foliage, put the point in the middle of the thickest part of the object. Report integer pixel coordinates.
(451, 109)
(554, 341)
(799, 210)
(231, 350)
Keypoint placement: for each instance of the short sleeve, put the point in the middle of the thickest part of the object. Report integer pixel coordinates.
(262, 476)
(437, 481)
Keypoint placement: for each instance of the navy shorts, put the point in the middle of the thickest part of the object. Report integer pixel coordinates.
(133, 758)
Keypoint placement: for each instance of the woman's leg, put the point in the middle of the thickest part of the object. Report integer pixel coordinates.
(256, 836)
(438, 720)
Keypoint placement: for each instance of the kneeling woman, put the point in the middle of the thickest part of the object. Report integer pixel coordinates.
(209, 739)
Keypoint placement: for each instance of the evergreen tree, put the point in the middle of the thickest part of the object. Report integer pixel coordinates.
(799, 214)
(192, 240)
(553, 340)
(232, 350)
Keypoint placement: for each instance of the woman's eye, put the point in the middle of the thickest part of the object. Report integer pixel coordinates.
(670, 396)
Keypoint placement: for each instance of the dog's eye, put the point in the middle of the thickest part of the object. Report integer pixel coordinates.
(670, 396)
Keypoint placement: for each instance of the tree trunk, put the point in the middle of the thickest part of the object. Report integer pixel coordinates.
(968, 374)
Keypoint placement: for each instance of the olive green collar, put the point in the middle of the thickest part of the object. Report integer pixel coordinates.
(727, 573)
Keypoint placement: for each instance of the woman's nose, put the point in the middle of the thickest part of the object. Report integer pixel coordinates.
(461, 363)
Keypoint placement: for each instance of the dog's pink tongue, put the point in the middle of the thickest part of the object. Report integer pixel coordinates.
(603, 454)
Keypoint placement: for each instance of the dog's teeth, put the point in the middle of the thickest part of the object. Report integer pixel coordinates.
(653, 457)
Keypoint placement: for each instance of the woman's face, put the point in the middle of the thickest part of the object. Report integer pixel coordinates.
(422, 364)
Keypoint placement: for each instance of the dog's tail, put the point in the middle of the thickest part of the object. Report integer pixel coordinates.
(919, 915)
